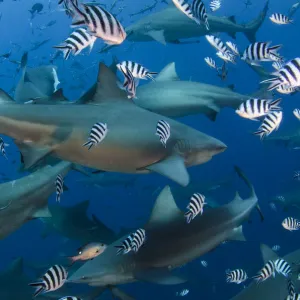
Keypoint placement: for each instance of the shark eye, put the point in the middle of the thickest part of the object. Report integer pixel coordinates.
(80, 252)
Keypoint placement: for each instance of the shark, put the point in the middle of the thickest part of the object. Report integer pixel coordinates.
(172, 26)
(26, 198)
(170, 242)
(290, 139)
(131, 145)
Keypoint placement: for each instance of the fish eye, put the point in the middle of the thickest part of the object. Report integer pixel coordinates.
(80, 252)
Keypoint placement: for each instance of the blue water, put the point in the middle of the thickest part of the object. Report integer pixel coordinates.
(270, 168)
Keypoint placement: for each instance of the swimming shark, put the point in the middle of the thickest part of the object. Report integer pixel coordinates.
(172, 26)
(26, 198)
(131, 145)
(290, 139)
(170, 242)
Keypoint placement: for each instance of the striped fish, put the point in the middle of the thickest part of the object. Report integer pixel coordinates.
(266, 272)
(217, 43)
(2, 148)
(255, 108)
(291, 288)
(76, 42)
(53, 279)
(67, 7)
(236, 276)
(59, 184)
(296, 113)
(199, 13)
(282, 267)
(182, 293)
(70, 298)
(184, 7)
(276, 248)
(195, 207)
(233, 47)
(97, 135)
(226, 56)
(261, 51)
(297, 175)
(294, 297)
(270, 123)
(210, 62)
(286, 90)
(138, 240)
(288, 75)
(137, 70)
(291, 224)
(204, 263)
(163, 130)
(215, 5)
(129, 82)
(126, 245)
(100, 22)
(280, 19)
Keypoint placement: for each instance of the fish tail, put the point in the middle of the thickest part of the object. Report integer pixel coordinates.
(274, 104)
(79, 18)
(65, 49)
(88, 144)
(261, 134)
(150, 75)
(274, 49)
(274, 83)
(120, 250)
(40, 288)
(189, 217)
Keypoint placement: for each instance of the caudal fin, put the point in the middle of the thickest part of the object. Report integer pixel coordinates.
(40, 287)
(252, 27)
(66, 50)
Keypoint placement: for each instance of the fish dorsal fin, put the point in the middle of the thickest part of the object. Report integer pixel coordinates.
(267, 253)
(165, 209)
(168, 73)
(58, 95)
(232, 19)
(107, 87)
(5, 98)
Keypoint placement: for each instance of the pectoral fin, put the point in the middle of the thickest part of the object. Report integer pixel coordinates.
(158, 35)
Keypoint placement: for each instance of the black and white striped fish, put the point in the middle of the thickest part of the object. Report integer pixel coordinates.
(184, 7)
(270, 123)
(195, 207)
(294, 297)
(296, 113)
(53, 279)
(137, 70)
(97, 135)
(256, 108)
(70, 298)
(280, 19)
(76, 42)
(100, 22)
(282, 267)
(288, 75)
(2, 148)
(291, 288)
(291, 224)
(138, 240)
(126, 245)
(129, 82)
(68, 7)
(226, 56)
(217, 43)
(236, 276)
(261, 51)
(199, 13)
(266, 272)
(59, 184)
(210, 62)
(233, 47)
(163, 130)
(297, 175)
(215, 5)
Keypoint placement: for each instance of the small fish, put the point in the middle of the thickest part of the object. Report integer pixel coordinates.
(76, 42)
(2, 148)
(297, 175)
(199, 13)
(59, 183)
(163, 130)
(266, 272)
(226, 56)
(217, 43)
(291, 224)
(129, 82)
(182, 293)
(204, 263)
(270, 123)
(233, 47)
(236, 276)
(273, 206)
(137, 70)
(280, 19)
(291, 288)
(288, 75)
(195, 207)
(282, 267)
(256, 108)
(276, 248)
(138, 240)
(280, 198)
(70, 298)
(294, 297)
(100, 22)
(97, 135)
(210, 62)
(126, 245)
(53, 279)
(184, 7)
(215, 5)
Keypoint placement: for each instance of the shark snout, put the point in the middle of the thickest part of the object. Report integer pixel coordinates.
(216, 147)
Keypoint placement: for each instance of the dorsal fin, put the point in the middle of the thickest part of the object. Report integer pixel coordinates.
(58, 95)
(168, 73)
(232, 19)
(5, 98)
(165, 209)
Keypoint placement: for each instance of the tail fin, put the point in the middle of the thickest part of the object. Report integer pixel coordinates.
(40, 288)
(189, 217)
(65, 49)
(252, 27)
(275, 48)
(274, 83)
(121, 250)
(274, 104)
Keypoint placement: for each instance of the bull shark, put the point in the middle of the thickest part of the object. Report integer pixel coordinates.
(171, 242)
(171, 26)
(26, 198)
(131, 145)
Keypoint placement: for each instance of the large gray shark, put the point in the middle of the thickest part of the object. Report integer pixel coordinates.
(289, 139)
(26, 198)
(171, 26)
(131, 145)
(171, 242)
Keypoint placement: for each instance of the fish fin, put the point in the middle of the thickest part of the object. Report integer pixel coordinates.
(158, 35)
(274, 49)
(168, 73)
(31, 156)
(40, 288)
(43, 212)
(119, 294)
(212, 111)
(232, 19)
(24, 60)
(58, 95)
(274, 104)
(172, 167)
(231, 87)
(5, 98)
(160, 276)
(237, 234)
(165, 209)
(267, 253)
